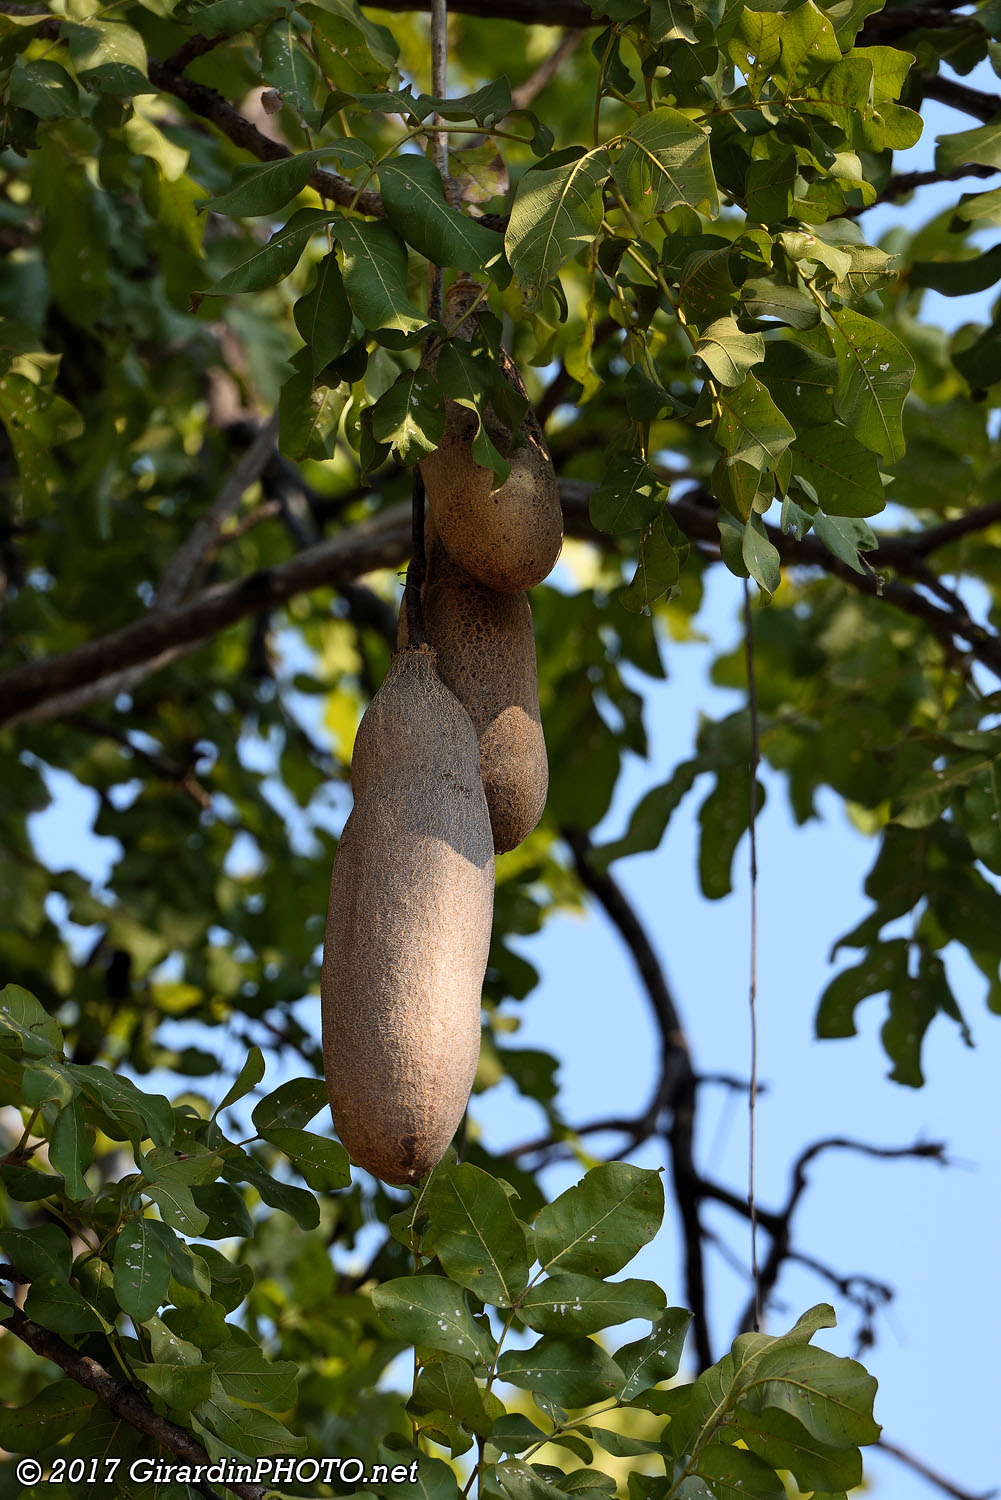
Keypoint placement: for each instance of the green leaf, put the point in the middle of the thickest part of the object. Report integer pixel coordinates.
(70, 1150)
(775, 301)
(958, 278)
(843, 475)
(466, 375)
(287, 66)
(557, 211)
(980, 362)
(874, 376)
(523, 1481)
(45, 1081)
(807, 46)
(229, 17)
(226, 1212)
(323, 315)
(247, 1431)
(417, 209)
(309, 417)
(727, 354)
(734, 1474)
(248, 1077)
(600, 1223)
(183, 1386)
(431, 1313)
(760, 556)
(58, 1410)
(786, 1444)
(569, 1303)
(280, 255)
(883, 966)
(292, 1104)
(412, 1475)
(410, 416)
(247, 1375)
(109, 57)
(375, 278)
(982, 145)
(240, 1166)
(323, 1163)
(629, 496)
(449, 1385)
(723, 819)
(749, 426)
(830, 1396)
(477, 1238)
(665, 163)
(172, 1196)
(35, 421)
(663, 548)
(846, 538)
(574, 1372)
(44, 88)
(25, 1026)
(263, 187)
(142, 1274)
(130, 1114)
(655, 1357)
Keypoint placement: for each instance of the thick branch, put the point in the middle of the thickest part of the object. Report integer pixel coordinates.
(676, 1088)
(969, 101)
(119, 1398)
(383, 542)
(379, 543)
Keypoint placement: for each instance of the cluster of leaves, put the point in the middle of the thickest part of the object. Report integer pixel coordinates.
(177, 1296)
(773, 1403)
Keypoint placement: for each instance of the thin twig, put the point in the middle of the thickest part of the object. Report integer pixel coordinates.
(183, 567)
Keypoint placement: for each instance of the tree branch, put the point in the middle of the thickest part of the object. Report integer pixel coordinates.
(525, 95)
(183, 567)
(87, 674)
(676, 1087)
(780, 1227)
(120, 1399)
(981, 106)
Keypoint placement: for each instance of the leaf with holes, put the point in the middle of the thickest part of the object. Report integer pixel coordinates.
(142, 1272)
(601, 1222)
(431, 1313)
(874, 376)
(574, 1372)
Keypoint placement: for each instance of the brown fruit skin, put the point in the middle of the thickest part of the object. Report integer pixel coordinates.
(486, 654)
(408, 928)
(508, 538)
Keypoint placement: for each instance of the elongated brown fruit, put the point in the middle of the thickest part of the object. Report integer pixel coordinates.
(408, 927)
(486, 654)
(508, 538)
